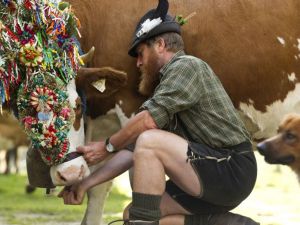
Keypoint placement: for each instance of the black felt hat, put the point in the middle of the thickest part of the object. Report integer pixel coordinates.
(154, 22)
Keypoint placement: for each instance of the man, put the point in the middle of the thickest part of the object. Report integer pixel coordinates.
(188, 130)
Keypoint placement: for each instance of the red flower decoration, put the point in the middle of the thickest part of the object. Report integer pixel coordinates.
(28, 121)
(65, 113)
(27, 4)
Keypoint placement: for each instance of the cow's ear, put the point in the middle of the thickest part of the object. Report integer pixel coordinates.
(100, 82)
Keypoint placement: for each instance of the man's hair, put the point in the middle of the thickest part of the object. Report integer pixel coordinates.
(173, 41)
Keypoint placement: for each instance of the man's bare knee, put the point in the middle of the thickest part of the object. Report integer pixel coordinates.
(145, 154)
(148, 139)
(146, 146)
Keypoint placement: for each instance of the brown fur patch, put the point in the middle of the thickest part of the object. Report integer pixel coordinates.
(78, 114)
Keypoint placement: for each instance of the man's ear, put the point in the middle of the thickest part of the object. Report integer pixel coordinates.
(100, 82)
(161, 44)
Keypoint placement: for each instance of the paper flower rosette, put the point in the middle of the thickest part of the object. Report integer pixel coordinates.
(30, 55)
(46, 115)
(38, 58)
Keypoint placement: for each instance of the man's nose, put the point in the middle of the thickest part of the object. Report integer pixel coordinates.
(138, 63)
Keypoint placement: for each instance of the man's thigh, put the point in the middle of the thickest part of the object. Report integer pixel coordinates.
(172, 149)
(227, 178)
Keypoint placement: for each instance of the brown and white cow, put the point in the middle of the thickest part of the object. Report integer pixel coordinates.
(252, 45)
(12, 137)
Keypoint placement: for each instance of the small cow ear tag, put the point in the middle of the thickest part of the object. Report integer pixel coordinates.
(100, 85)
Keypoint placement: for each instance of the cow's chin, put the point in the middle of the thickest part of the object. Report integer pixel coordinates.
(69, 172)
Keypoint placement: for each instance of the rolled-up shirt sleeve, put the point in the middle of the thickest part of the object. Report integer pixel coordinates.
(178, 90)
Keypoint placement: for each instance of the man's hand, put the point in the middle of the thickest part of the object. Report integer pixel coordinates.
(73, 195)
(94, 152)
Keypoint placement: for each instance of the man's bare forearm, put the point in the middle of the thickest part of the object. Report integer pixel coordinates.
(117, 165)
(138, 124)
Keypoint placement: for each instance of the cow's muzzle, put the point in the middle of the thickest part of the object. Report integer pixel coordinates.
(72, 170)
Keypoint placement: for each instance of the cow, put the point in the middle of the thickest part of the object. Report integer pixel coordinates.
(252, 45)
(12, 137)
(38, 64)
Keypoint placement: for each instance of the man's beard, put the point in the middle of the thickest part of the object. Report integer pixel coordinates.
(149, 76)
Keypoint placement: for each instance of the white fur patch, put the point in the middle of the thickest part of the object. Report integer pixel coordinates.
(76, 138)
(121, 115)
(71, 88)
(281, 40)
(268, 121)
(292, 77)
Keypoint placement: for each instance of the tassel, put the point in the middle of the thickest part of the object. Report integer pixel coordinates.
(182, 20)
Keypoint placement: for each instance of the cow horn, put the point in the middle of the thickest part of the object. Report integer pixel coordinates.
(162, 9)
(88, 56)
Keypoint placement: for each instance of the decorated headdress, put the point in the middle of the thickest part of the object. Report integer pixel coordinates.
(38, 58)
(154, 22)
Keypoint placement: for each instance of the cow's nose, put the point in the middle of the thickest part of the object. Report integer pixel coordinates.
(71, 174)
(261, 147)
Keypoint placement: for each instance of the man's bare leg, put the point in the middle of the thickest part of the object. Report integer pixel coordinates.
(159, 153)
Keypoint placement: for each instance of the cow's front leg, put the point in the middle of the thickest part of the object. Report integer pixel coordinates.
(95, 204)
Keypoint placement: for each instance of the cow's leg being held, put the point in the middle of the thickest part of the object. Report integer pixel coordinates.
(97, 195)
(96, 199)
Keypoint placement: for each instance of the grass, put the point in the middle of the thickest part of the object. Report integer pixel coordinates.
(275, 198)
(17, 207)
(274, 201)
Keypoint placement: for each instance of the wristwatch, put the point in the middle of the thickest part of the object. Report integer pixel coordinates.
(109, 147)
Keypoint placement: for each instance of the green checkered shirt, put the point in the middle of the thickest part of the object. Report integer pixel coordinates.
(191, 102)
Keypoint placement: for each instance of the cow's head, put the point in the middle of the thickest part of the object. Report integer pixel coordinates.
(103, 82)
(39, 61)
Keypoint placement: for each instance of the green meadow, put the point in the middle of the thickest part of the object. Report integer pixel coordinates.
(274, 201)
(17, 207)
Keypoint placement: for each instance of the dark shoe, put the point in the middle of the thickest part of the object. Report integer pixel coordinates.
(230, 219)
(133, 222)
